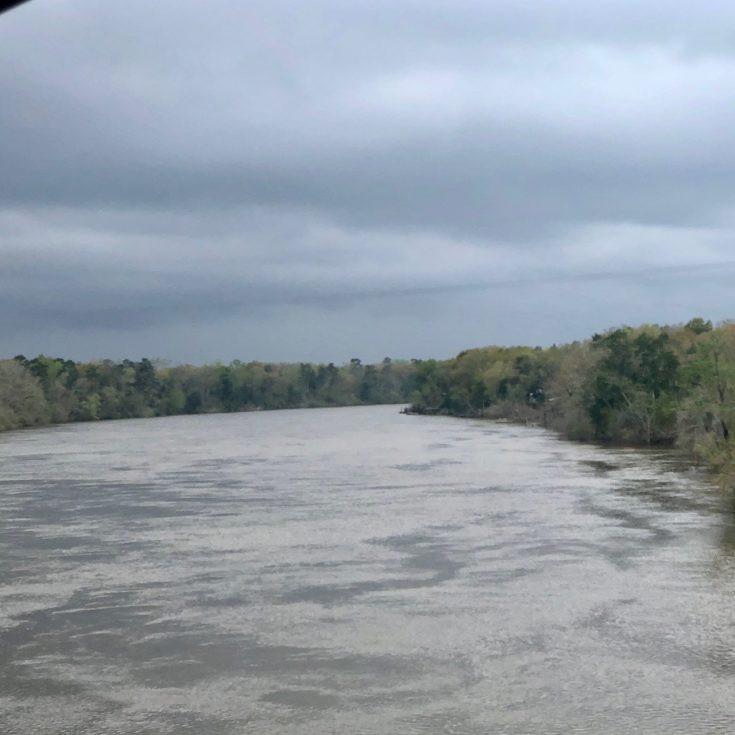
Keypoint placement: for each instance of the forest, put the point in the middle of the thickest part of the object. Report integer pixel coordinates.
(645, 386)
(46, 390)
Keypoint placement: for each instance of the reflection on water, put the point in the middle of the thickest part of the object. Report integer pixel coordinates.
(358, 571)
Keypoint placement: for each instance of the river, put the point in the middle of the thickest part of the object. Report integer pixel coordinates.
(357, 571)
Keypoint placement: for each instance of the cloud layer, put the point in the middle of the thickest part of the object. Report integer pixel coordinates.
(318, 180)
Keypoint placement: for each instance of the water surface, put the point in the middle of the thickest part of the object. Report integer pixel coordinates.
(357, 571)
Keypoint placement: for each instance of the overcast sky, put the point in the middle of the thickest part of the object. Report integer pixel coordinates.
(321, 180)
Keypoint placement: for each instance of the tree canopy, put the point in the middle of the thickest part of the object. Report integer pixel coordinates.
(54, 390)
(649, 385)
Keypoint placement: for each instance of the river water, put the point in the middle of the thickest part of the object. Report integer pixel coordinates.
(357, 571)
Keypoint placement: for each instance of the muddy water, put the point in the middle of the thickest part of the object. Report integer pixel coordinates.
(357, 571)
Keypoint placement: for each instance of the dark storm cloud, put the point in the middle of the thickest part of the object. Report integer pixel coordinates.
(178, 163)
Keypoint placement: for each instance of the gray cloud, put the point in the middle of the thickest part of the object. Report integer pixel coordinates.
(384, 167)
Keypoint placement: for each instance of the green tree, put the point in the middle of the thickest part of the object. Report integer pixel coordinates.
(707, 419)
(22, 402)
(632, 393)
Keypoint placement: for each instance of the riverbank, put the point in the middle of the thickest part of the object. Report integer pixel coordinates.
(46, 391)
(650, 386)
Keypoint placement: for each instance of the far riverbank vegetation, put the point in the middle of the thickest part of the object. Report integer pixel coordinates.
(44, 390)
(665, 386)
(645, 386)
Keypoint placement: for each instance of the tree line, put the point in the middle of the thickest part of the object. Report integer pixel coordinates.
(648, 386)
(45, 390)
